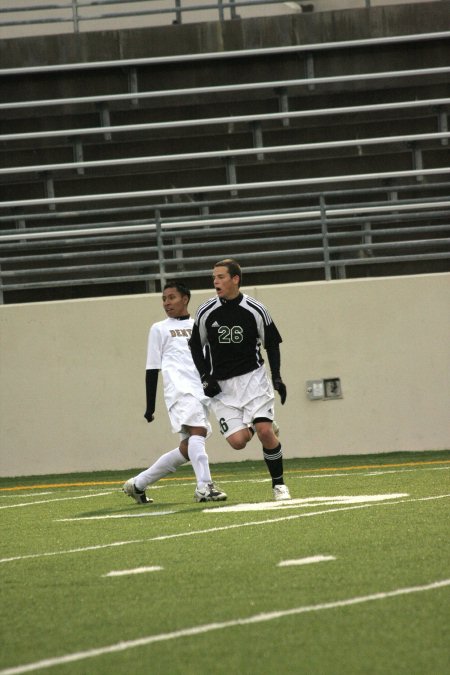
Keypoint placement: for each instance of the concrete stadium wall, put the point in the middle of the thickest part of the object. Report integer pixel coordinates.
(210, 36)
(122, 22)
(72, 375)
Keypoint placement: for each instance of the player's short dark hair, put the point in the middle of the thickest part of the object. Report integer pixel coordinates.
(179, 285)
(232, 266)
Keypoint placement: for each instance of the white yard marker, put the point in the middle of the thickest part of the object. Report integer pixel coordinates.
(137, 570)
(305, 502)
(306, 561)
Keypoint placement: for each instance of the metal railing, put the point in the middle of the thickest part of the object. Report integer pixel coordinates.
(226, 88)
(319, 236)
(74, 15)
(232, 153)
(79, 164)
(225, 188)
(415, 38)
(286, 116)
(329, 238)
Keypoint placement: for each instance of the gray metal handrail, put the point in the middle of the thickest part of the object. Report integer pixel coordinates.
(257, 220)
(234, 152)
(302, 249)
(175, 9)
(196, 246)
(254, 239)
(227, 88)
(205, 272)
(227, 187)
(230, 119)
(315, 236)
(199, 206)
(378, 212)
(231, 54)
(71, 12)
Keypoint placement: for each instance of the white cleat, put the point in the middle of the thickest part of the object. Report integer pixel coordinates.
(280, 493)
(139, 496)
(209, 493)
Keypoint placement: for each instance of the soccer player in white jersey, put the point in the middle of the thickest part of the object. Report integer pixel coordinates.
(187, 403)
(233, 326)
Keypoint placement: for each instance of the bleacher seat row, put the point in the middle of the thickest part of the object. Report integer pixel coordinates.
(223, 146)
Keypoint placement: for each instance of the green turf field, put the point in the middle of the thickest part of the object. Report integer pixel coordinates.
(352, 576)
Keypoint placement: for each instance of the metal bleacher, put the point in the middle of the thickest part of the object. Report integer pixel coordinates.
(305, 162)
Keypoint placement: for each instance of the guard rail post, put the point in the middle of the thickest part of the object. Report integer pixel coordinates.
(160, 245)
(75, 19)
(325, 242)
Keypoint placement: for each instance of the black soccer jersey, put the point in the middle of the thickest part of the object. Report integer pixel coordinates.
(233, 331)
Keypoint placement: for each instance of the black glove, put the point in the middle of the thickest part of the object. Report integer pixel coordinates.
(280, 387)
(149, 416)
(210, 386)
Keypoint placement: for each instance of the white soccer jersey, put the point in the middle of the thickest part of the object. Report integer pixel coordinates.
(168, 351)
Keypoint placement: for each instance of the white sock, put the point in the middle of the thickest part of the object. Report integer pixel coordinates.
(199, 459)
(167, 463)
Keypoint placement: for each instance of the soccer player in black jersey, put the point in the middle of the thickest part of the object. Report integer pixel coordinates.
(231, 328)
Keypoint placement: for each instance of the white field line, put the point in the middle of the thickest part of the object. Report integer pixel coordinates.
(22, 496)
(306, 561)
(229, 480)
(120, 515)
(58, 499)
(383, 473)
(223, 528)
(370, 474)
(209, 627)
(136, 570)
(327, 475)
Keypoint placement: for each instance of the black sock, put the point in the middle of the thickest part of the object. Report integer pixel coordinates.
(274, 462)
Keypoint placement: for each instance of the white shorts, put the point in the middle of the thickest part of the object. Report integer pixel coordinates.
(188, 411)
(242, 399)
